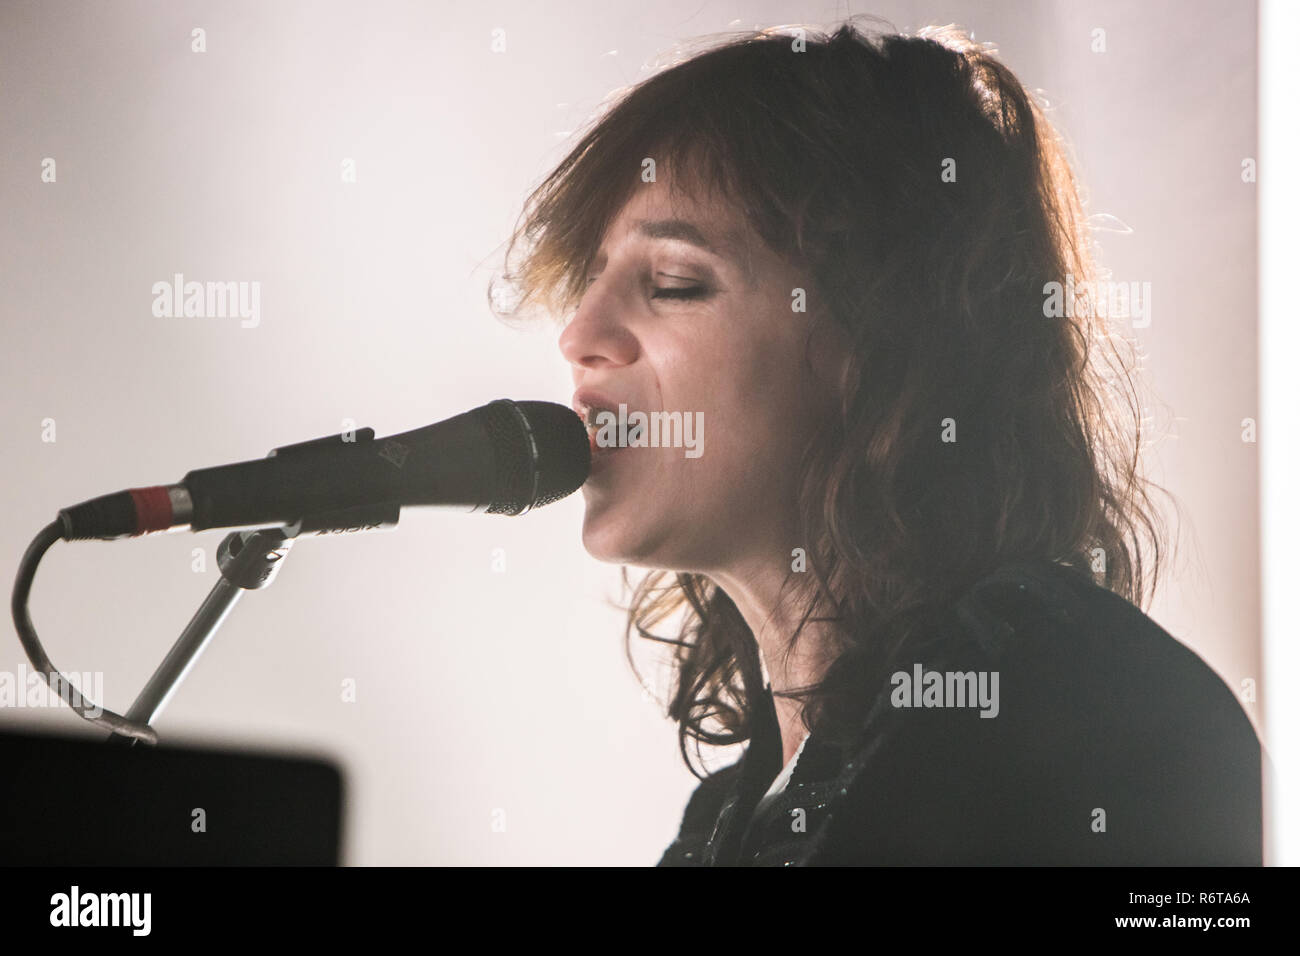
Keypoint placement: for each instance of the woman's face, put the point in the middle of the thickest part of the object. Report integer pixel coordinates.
(687, 311)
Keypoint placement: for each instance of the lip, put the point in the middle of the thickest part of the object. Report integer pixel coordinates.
(585, 399)
(600, 458)
(600, 455)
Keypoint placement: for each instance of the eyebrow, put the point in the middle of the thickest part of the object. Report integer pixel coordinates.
(732, 250)
(675, 229)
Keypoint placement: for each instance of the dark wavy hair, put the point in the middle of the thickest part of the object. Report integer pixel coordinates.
(834, 147)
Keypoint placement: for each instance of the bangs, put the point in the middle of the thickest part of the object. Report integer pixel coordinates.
(697, 126)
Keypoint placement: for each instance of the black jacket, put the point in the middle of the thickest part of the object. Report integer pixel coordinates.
(1113, 744)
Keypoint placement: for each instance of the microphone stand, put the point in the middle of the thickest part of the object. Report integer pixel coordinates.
(249, 561)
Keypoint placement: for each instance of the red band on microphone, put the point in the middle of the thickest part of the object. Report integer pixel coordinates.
(153, 509)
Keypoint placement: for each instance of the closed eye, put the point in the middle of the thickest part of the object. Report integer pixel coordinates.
(677, 291)
(665, 292)
(670, 292)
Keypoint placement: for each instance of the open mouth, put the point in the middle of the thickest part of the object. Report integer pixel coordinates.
(591, 418)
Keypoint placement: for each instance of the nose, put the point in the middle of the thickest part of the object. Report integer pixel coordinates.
(596, 336)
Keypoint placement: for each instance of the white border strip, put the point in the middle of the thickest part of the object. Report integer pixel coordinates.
(1279, 351)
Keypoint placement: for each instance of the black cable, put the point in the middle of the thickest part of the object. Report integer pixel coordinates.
(36, 654)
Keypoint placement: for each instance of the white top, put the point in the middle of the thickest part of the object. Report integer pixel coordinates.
(783, 778)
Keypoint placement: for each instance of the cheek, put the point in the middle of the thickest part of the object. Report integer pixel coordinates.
(765, 389)
(745, 370)
(749, 446)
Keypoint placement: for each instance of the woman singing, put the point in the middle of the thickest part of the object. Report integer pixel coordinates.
(905, 551)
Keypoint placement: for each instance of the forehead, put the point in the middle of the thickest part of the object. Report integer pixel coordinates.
(658, 211)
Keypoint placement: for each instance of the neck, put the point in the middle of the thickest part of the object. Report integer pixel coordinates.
(756, 593)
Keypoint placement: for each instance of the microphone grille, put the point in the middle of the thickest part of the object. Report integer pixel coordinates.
(543, 453)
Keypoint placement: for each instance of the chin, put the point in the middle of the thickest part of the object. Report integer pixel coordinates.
(612, 549)
(638, 548)
(605, 540)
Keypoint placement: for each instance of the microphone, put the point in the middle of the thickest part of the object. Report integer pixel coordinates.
(504, 457)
